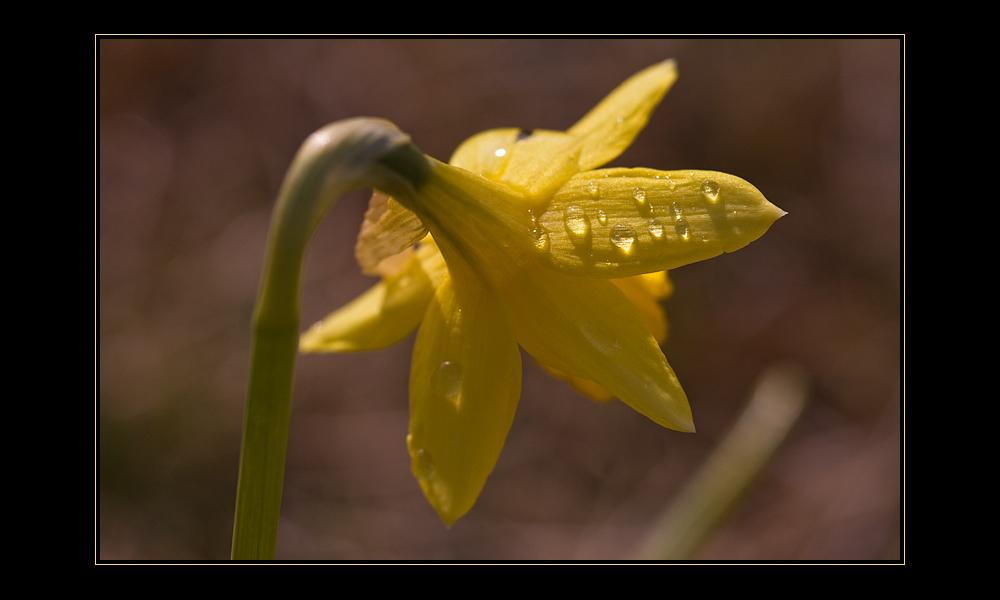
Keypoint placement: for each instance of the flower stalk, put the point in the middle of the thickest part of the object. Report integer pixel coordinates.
(341, 157)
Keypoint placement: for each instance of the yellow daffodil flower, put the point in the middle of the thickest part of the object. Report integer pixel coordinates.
(530, 244)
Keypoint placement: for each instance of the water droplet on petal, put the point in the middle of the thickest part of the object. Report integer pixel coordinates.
(447, 380)
(639, 194)
(423, 465)
(541, 238)
(602, 218)
(682, 229)
(710, 190)
(623, 236)
(595, 189)
(577, 224)
(655, 229)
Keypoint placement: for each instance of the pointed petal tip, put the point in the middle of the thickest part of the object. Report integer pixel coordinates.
(664, 71)
(668, 66)
(770, 215)
(773, 212)
(682, 422)
(687, 427)
(672, 411)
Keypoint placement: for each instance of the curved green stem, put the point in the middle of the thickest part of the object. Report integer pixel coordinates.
(343, 156)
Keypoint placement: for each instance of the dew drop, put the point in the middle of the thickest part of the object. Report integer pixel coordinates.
(682, 229)
(655, 229)
(639, 194)
(577, 224)
(675, 210)
(595, 189)
(710, 190)
(623, 236)
(602, 218)
(423, 465)
(447, 380)
(541, 238)
(538, 234)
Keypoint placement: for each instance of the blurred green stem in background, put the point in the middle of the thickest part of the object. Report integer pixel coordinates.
(777, 402)
(344, 156)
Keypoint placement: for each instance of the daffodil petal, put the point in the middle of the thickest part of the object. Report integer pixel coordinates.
(388, 229)
(534, 165)
(486, 153)
(583, 385)
(464, 387)
(383, 315)
(612, 125)
(657, 285)
(540, 163)
(620, 222)
(645, 292)
(603, 339)
(637, 290)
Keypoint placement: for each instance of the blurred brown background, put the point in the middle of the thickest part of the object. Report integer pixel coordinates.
(194, 136)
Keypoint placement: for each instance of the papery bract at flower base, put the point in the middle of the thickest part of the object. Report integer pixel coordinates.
(525, 238)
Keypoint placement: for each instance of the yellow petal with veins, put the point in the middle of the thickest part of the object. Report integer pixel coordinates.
(464, 386)
(614, 223)
(537, 164)
(611, 126)
(388, 229)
